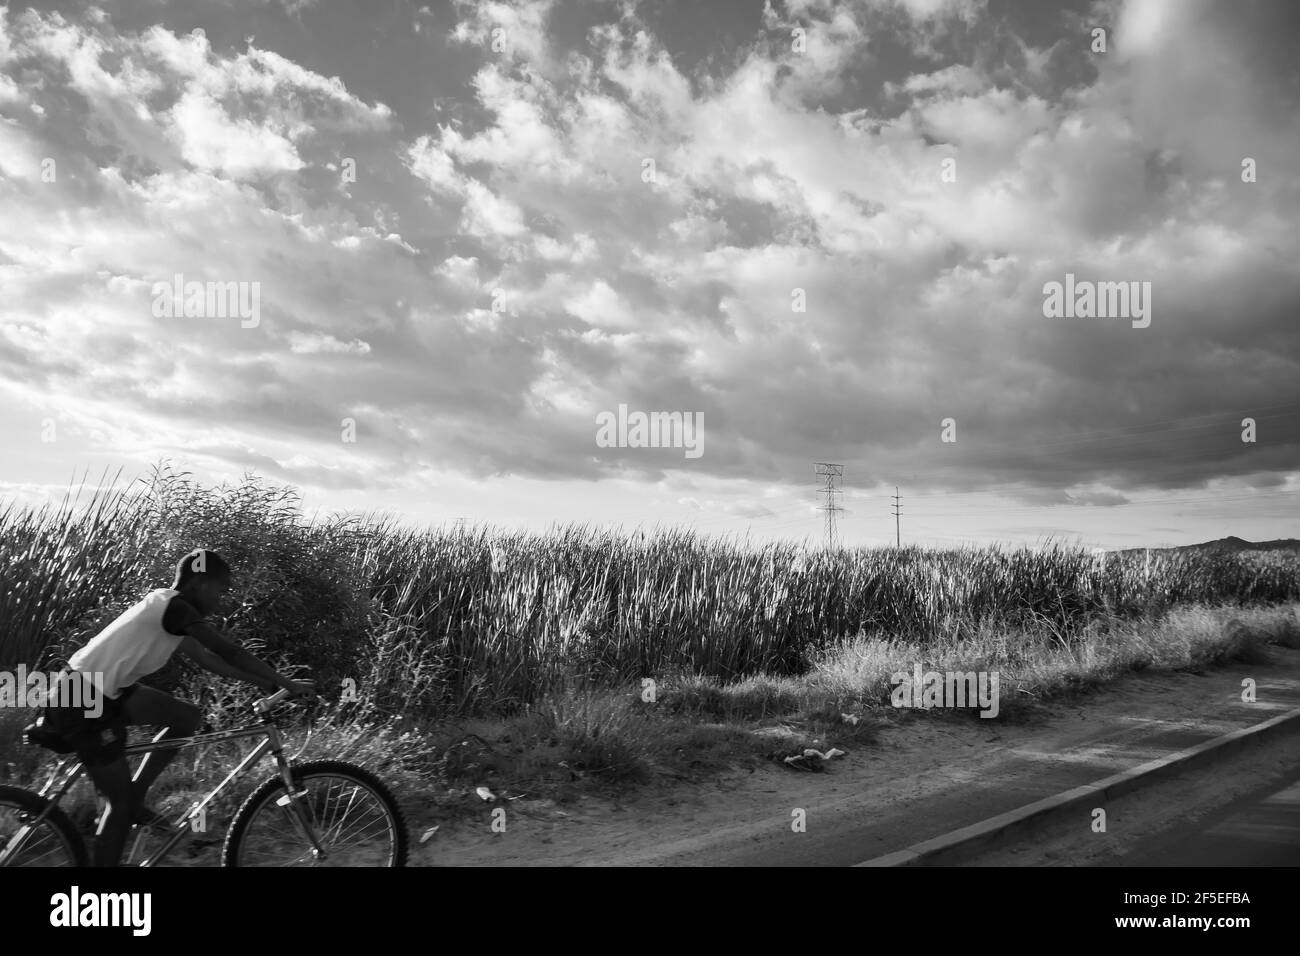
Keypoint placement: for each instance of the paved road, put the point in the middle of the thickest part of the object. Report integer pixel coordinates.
(1262, 829)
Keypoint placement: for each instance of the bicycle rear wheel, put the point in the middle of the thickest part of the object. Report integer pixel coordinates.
(355, 818)
(55, 842)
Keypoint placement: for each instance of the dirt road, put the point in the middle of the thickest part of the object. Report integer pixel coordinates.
(926, 776)
(1243, 811)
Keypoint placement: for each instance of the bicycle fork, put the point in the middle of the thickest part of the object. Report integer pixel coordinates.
(292, 800)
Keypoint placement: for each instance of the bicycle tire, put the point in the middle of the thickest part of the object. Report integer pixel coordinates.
(242, 830)
(57, 822)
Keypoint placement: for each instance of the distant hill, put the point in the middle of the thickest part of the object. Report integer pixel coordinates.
(1233, 543)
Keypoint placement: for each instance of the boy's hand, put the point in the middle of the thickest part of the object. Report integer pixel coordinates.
(299, 688)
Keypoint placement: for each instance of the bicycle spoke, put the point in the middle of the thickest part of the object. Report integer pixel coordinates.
(23, 856)
(352, 798)
(329, 826)
(40, 846)
(336, 835)
(329, 796)
(350, 822)
(355, 832)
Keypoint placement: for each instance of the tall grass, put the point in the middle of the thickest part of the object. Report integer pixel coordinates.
(461, 621)
(58, 565)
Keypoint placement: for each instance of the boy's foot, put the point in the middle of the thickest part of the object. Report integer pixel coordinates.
(151, 819)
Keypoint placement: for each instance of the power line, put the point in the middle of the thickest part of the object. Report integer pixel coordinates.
(832, 472)
(898, 510)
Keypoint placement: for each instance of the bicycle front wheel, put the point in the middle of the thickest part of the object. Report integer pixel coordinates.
(354, 817)
(54, 842)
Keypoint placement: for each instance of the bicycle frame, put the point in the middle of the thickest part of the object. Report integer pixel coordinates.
(273, 744)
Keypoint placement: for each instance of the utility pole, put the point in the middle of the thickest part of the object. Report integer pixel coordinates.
(897, 511)
(832, 472)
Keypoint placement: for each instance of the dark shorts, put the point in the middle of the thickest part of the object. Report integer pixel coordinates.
(95, 740)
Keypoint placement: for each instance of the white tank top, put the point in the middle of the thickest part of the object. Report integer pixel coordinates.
(133, 646)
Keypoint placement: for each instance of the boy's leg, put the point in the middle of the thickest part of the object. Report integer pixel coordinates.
(149, 706)
(113, 780)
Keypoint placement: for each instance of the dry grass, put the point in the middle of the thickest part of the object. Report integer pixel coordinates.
(475, 621)
(517, 659)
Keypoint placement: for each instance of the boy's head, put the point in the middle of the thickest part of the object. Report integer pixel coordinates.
(203, 577)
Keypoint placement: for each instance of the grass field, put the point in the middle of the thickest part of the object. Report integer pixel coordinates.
(542, 641)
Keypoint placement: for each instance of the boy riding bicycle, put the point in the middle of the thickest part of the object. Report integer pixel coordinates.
(138, 643)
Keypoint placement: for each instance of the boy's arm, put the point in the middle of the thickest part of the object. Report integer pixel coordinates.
(200, 655)
(207, 647)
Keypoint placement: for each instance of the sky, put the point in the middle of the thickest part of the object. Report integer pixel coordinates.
(458, 234)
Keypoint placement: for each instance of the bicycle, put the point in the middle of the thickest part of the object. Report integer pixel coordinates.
(324, 812)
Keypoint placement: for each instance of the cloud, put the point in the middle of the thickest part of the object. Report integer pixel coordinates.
(210, 140)
(430, 163)
(518, 29)
(798, 268)
(1102, 499)
(303, 343)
